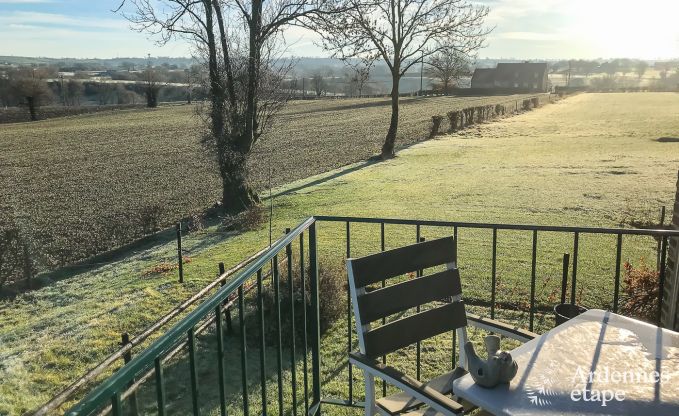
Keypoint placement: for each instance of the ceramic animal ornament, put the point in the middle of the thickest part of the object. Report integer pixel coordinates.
(498, 368)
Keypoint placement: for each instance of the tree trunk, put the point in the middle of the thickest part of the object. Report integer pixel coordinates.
(390, 140)
(31, 108)
(237, 195)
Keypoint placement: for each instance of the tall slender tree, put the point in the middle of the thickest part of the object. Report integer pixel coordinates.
(401, 33)
(237, 40)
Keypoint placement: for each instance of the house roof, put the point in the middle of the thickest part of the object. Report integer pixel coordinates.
(483, 75)
(525, 70)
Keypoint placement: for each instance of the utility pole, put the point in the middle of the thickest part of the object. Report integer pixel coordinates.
(421, 72)
(63, 94)
(570, 64)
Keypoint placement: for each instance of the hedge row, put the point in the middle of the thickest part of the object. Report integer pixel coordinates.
(461, 119)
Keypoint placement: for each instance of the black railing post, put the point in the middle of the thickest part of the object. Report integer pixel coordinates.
(219, 332)
(243, 351)
(532, 280)
(418, 346)
(493, 276)
(349, 326)
(160, 386)
(180, 262)
(564, 276)
(618, 259)
(262, 343)
(316, 319)
(384, 320)
(661, 224)
(576, 240)
(661, 288)
(229, 322)
(279, 337)
(193, 372)
(293, 332)
(127, 357)
(305, 350)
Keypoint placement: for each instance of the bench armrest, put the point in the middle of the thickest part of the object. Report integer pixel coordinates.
(414, 387)
(501, 328)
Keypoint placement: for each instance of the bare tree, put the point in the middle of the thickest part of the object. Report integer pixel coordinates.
(152, 85)
(318, 84)
(448, 66)
(360, 73)
(641, 68)
(73, 92)
(31, 85)
(106, 93)
(401, 32)
(237, 41)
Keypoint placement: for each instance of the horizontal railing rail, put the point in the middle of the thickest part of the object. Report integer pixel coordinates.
(67, 393)
(492, 303)
(111, 389)
(524, 227)
(108, 396)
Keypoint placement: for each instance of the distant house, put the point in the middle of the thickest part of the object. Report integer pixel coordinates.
(520, 76)
(483, 78)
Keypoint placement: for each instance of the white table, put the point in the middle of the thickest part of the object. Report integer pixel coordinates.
(554, 369)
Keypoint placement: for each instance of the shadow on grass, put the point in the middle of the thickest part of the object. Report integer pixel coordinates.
(347, 170)
(667, 140)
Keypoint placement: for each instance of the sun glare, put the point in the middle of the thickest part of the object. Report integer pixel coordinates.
(626, 29)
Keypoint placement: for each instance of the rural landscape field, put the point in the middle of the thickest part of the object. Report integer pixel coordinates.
(346, 207)
(589, 159)
(142, 170)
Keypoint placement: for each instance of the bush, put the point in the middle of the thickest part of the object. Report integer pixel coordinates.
(453, 119)
(642, 288)
(332, 302)
(435, 125)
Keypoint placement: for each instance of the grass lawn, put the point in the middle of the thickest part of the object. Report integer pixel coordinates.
(589, 160)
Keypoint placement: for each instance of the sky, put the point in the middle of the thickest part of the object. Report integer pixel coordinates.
(523, 29)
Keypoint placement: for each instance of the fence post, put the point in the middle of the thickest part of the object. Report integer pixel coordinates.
(660, 224)
(127, 357)
(179, 252)
(315, 319)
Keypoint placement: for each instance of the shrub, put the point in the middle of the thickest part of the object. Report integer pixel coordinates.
(499, 109)
(248, 220)
(469, 116)
(453, 119)
(642, 288)
(332, 302)
(479, 114)
(435, 125)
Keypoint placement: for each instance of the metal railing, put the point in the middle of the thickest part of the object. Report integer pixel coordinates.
(114, 391)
